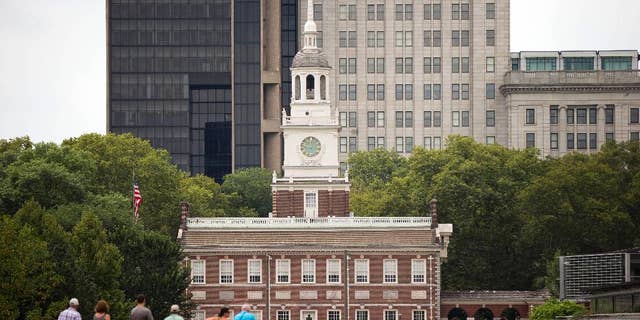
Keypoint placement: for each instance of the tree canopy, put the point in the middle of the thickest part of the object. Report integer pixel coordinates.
(513, 212)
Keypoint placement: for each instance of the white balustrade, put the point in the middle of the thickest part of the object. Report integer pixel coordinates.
(306, 223)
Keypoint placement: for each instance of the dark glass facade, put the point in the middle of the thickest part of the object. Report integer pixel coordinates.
(170, 79)
(289, 46)
(246, 82)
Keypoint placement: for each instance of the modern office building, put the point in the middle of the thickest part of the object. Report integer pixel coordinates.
(573, 101)
(201, 79)
(410, 73)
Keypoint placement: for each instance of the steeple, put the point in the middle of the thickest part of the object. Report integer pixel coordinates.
(310, 29)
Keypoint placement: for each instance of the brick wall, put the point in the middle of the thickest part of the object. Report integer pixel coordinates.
(291, 203)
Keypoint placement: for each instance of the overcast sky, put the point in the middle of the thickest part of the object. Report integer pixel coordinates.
(52, 55)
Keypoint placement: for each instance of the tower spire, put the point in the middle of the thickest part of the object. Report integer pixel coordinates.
(310, 29)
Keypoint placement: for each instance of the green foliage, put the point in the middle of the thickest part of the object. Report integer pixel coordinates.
(513, 212)
(554, 308)
(249, 188)
(69, 228)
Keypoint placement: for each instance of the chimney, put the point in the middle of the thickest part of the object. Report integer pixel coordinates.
(433, 204)
(184, 206)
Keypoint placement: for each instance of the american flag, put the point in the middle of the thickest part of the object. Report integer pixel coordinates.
(137, 199)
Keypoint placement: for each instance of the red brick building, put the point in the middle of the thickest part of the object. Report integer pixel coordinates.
(311, 259)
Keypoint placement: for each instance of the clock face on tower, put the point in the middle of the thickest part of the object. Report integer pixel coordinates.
(310, 147)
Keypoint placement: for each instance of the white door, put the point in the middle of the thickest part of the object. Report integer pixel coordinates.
(311, 204)
(308, 315)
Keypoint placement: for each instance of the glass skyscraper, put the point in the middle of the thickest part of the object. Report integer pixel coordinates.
(189, 76)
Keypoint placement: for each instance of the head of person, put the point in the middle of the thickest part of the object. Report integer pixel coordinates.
(73, 303)
(224, 312)
(141, 299)
(246, 307)
(175, 308)
(102, 307)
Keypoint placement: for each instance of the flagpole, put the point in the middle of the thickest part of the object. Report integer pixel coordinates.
(133, 196)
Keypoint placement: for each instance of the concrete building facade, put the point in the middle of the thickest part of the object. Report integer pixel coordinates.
(573, 101)
(410, 73)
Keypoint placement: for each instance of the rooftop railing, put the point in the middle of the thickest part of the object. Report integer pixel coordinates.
(306, 223)
(571, 77)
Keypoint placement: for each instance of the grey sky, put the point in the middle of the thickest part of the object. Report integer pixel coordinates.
(52, 55)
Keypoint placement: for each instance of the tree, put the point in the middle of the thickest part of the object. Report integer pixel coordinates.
(249, 188)
(554, 308)
(204, 196)
(27, 275)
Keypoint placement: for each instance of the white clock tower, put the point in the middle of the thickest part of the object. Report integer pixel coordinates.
(311, 166)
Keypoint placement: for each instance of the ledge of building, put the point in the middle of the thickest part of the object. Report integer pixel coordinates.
(575, 81)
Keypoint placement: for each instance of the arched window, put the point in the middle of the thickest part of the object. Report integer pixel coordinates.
(297, 88)
(323, 88)
(483, 314)
(510, 314)
(457, 314)
(310, 87)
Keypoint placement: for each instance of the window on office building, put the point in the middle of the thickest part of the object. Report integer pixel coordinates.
(635, 115)
(408, 65)
(436, 12)
(570, 115)
(465, 118)
(582, 140)
(353, 144)
(464, 38)
(343, 144)
(343, 119)
(408, 144)
(342, 39)
(593, 141)
(283, 315)
(371, 143)
(455, 91)
(570, 141)
(353, 119)
(437, 38)
(437, 119)
(455, 118)
(515, 64)
(426, 64)
(333, 314)
(371, 39)
(455, 11)
(531, 140)
(464, 11)
(380, 92)
(379, 65)
(427, 119)
(380, 12)
(399, 144)
(254, 268)
(530, 116)
(491, 38)
(581, 115)
(333, 270)
(491, 64)
(353, 39)
(541, 64)
(426, 38)
(371, 12)
(399, 65)
(283, 270)
(399, 119)
(455, 38)
(308, 270)
(554, 141)
(399, 92)
(490, 140)
(437, 65)
(593, 115)
(371, 92)
(381, 143)
(352, 92)
(491, 91)
(634, 136)
(426, 92)
(380, 119)
(491, 10)
(426, 12)
(371, 119)
(408, 92)
(342, 65)
(198, 272)
(427, 143)
(362, 314)
(319, 40)
(371, 65)
(437, 92)
(317, 11)
(465, 91)
(609, 113)
(408, 119)
(390, 315)
(578, 63)
(380, 39)
(617, 63)
(437, 143)
(226, 271)
(455, 65)
(491, 118)
(553, 115)
(609, 136)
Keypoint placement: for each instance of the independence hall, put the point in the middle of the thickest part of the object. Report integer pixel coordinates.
(311, 259)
